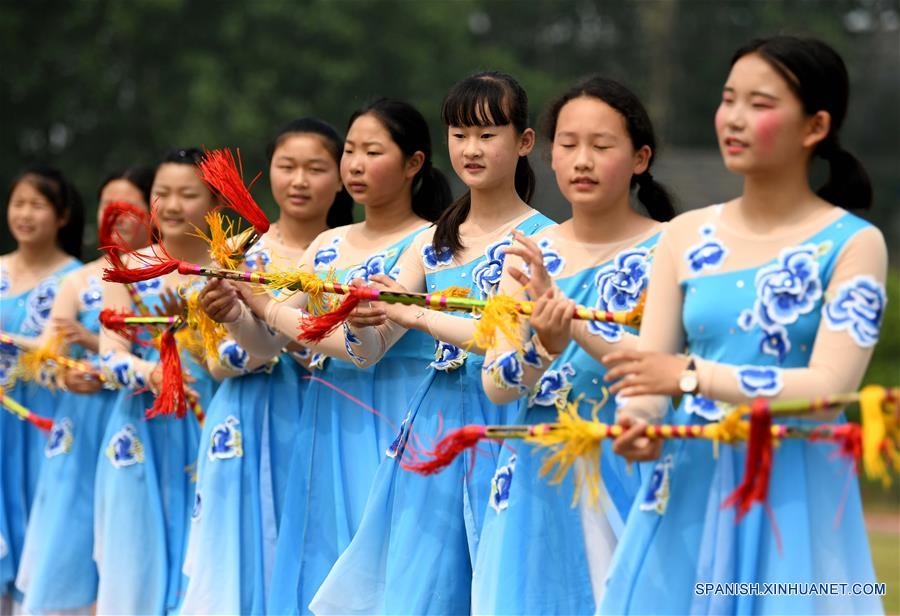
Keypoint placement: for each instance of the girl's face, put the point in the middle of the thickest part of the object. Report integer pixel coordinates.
(31, 217)
(305, 177)
(760, 123)
(133, 233)
(180, 199)
(373, 167)
(592, 154)
(485, 157)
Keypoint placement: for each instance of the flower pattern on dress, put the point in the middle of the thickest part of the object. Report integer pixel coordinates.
(5, 284)
(125, 448)
(232, 355)
(92, 296)
(351, 340)
(759, 380)
(37, 307)
(500, 485)
(373, 266)
(399, 443)
(9, 356)
(60, 439)
(326, 255)
(198, 506)
(258, 260)
(657, 496)
(710, 410)
(433, 260)
(619, 287)
(148, 288)
(785, 291)
(225, 441)
(553, 388)
(708, 254)
(553, 262)
(447, 357)
(486, 274)
(506, 370)
(858, 309)
(120, 370)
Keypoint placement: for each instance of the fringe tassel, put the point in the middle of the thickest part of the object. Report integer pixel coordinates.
(500, 312)
(307, 282)
(225, 177)
(210, 333)
(447, 450)
(113, 320)
(314, 328)
(225, 239)
(758, 464)
(110, 241)
(171, 398)
(874, 434)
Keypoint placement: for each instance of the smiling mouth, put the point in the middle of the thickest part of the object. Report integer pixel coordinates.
(357, 186)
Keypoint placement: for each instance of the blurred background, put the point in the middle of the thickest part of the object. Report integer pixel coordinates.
(94, 85)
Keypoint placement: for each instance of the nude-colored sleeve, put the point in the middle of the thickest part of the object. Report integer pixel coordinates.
(65, 306)
(661, 326)
(854, 303)
(120, 365)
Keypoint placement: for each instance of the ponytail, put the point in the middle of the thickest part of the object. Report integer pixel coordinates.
(430, 193)
(654, 197)
(848, 185)
(524, 180)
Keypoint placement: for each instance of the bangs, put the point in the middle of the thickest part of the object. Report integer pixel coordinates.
(477, 101)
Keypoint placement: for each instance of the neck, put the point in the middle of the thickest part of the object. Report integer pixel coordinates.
(299, 233)
(493, 207)
(609, 225)
(389, 217)
(778, 198)
(38, 255)
(187, 248)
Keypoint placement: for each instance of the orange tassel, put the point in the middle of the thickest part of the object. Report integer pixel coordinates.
(220, 172)
(447, 450)
(171, 398)
(758, 465)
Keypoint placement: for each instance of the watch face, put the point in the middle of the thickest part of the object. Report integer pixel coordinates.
(688, 383)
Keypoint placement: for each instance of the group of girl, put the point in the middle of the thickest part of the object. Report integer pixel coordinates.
(292, 495)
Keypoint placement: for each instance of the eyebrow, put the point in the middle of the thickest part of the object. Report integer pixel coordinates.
(364, 143)
(731, 90)
(594, 135)
(288, 158)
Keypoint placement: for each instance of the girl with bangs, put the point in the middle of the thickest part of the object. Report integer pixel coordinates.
(417, 541)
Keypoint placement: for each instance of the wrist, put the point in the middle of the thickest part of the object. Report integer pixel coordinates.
(546, 354)
(689, 380)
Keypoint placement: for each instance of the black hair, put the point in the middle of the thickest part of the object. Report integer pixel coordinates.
(341, 211)
(139, 177)
(818, 77)
(65, 199)
(652, 195)
(409, 130)
(490, 98)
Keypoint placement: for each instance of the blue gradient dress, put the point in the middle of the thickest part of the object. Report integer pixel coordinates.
(414, 550)
(762, 320)
(21, 444)
(145, 489)
(538, 553)
(340, 445)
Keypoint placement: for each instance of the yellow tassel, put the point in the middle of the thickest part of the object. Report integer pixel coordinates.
(224, 239)
(500, 313)
(874, 431)
(454, 292)
(210, 333)
(574, 438)
(41, 362)
(309, 283)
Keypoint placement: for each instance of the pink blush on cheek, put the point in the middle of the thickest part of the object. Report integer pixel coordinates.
(765, 131)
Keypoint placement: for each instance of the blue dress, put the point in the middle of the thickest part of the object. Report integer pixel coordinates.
(679, 534)
(144, 490)
(57, 571)
(22, 444)
(242, 472)
(414, 550)
(340, 446)
(532, 531)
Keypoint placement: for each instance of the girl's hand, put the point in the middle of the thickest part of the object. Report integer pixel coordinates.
(173, 305)
(82, 381)
(367, 314)
(640, 373)
(73, 332)
(539, 282)
(401, 314)
(632, 444)
(220, 300)
(552, 320)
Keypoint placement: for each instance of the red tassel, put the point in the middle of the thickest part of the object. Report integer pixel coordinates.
(128, 276)
(222, 175)
(113, 320)
(848, 438)
(758, 465)
(171, 398)
(447, 449)
(314, 328)
(110, 241)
